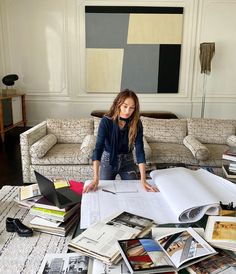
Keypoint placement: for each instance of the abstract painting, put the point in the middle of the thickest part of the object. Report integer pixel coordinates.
(133, 47)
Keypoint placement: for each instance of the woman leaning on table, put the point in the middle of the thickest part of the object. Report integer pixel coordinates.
(120, 130)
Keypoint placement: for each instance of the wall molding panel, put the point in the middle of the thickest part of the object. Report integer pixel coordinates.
(217, 24)
(44, 43)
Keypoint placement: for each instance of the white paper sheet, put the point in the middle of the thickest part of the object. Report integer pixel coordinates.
(180, 190)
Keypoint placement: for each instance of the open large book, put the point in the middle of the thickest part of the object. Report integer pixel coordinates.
(167, 253)
(185, 196)
(100, 240)
(192, 193)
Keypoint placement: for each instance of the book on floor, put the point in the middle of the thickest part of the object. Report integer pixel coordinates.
(222, 263)
(221, 232)
(54, 214)
(44, 203)
(100, 240)
(231, 151)
(169, 252)
(229, 157)
(228, 173)
(54, 227)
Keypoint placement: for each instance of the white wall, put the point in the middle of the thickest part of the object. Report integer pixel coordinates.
(43, 42)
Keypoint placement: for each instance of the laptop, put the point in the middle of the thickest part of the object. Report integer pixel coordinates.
(60, 197)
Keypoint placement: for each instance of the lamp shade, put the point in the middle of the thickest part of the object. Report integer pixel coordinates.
(207, 51)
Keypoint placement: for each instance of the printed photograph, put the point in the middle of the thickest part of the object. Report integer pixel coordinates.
(131, 220)
(76, 264)
(181, 247)
(224, 231)
(144, 254)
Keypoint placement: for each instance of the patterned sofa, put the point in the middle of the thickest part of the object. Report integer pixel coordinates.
(63, 147)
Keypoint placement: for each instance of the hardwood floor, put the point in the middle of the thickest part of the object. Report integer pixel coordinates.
(10, 158)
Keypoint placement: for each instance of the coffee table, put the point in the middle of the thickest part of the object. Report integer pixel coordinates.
(23, 255)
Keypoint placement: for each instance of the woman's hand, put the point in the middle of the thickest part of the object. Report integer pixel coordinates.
(149, 187)
(93, 186)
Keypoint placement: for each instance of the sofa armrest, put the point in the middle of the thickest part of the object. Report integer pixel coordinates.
(88, 146)
(231, 141)
(28, 138)
(199, 151)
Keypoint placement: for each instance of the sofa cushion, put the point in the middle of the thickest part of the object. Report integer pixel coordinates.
(62, 154)
(211, 131)
(70, 130)
(169, 153)
(198, 150)
(231, 141)
(42, 146)
(164, 130)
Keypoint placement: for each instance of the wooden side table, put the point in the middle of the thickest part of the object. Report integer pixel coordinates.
(12, 112)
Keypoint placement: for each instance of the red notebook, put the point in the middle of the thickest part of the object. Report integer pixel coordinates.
(76, 186)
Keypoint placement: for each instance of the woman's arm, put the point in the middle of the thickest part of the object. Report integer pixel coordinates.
(97, 154)
(94, 184)
(145, 184)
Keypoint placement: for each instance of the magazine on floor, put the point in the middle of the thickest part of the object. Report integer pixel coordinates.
(222, 263)
(100, 240)
(168, 253)
(65, 263)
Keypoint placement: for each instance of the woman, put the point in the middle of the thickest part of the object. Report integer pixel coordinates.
(120, 130)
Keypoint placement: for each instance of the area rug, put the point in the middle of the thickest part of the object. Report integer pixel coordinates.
(20, 255)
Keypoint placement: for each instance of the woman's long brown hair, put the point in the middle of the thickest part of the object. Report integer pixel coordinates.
(134, 118)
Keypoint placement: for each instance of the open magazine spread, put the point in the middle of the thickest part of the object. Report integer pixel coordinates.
(170, 252)
(100, 240)
(185, 196)
(221, 232)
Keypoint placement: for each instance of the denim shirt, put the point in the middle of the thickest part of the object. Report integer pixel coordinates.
(104, 140)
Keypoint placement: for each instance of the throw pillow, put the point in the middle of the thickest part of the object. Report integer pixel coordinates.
(164, 130)
(42, 146)
(199, 151)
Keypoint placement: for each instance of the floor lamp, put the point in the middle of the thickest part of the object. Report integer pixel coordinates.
(207, 51)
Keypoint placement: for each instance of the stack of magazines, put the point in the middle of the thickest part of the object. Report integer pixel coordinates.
(52, 219)
(100, 240)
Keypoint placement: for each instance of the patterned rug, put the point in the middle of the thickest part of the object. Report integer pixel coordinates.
(19, 255)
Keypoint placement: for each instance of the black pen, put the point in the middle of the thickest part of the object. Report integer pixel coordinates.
(106, 190)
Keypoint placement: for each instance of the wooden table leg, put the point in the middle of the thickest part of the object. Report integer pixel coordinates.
(1, 122)
(23, 110)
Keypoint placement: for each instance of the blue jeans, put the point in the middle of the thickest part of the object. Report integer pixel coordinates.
(126, 167)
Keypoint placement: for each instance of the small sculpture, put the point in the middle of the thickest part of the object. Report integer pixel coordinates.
(9, 80)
